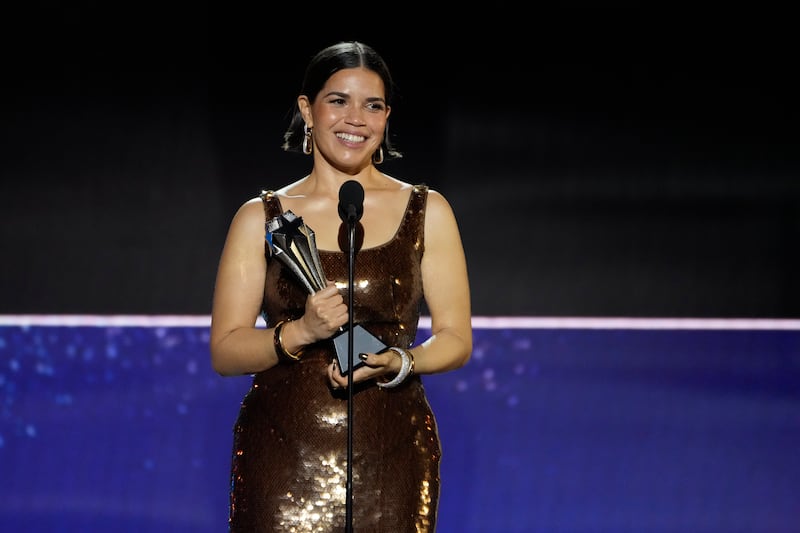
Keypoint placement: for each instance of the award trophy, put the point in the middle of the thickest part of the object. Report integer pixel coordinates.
(293, 244)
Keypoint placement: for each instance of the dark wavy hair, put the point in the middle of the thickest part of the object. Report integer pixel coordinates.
(328, 61)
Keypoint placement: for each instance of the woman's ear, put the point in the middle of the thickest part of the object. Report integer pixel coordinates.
(305, 109)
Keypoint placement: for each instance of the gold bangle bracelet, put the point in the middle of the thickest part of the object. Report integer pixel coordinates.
(284, 355)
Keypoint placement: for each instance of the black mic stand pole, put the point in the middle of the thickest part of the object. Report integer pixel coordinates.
(351, 226)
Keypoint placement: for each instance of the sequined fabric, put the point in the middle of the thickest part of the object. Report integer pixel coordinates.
(290, 439)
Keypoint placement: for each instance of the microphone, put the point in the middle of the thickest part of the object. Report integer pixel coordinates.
(351, 207)
(351, 201)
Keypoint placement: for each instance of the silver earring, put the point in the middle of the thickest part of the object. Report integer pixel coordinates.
(308, 144)
(377, 155)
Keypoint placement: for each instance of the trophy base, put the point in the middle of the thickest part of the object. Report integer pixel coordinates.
(363, 342)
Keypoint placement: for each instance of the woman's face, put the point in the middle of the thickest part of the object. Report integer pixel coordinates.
(348, 117)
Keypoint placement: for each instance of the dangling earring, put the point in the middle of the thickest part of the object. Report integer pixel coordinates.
(377, 155)
(308, 144)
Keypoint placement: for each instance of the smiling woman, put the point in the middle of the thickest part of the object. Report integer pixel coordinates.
(294, 442)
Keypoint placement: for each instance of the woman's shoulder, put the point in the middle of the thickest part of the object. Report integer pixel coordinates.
(434, 198)
(251, 211)
(404, 187)
(437, 208)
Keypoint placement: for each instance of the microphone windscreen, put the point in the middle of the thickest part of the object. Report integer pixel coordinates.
(351, 200)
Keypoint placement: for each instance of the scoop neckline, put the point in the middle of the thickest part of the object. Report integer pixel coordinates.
(393, 238)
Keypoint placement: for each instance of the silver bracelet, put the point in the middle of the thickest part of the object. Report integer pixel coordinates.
(406, 368)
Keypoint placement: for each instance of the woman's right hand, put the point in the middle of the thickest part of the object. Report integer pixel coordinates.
(325, 313)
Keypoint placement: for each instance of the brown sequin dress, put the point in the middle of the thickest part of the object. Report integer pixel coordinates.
(289, 467)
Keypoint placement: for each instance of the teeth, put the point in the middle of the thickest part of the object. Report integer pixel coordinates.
(351, 138)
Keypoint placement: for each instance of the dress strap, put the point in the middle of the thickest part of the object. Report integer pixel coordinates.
(272, 208)
(415, 214)
(420, 193)
(272, 205)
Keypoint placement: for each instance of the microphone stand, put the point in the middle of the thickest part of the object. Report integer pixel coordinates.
(351, 226)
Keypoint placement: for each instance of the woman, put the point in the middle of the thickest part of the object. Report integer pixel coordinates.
(290, 438)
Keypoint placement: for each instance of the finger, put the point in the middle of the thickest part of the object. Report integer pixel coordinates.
(333, 375)
(330, 290)
(339, 319)
(384, 359)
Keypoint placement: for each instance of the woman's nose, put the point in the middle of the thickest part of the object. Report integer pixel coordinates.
(355, 117)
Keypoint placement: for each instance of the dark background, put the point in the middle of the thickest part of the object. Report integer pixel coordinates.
(601, 161)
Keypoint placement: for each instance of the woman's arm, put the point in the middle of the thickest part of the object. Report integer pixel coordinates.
(237, 345)
(447, 294)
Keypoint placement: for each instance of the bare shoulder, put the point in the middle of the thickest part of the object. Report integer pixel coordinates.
(293, 189)
(251, 207)
(393, 184)
(389, 192)
(438, 207)
(404, 188)
(250, 215)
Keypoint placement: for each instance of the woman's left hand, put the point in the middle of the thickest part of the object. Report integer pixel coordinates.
(375, 365)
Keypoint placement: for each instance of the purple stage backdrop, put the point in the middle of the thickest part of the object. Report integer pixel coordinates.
(120, 424)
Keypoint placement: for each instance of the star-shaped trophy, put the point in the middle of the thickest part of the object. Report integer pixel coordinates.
(293, 244)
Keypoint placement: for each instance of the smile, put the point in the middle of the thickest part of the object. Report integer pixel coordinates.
(351, 138)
